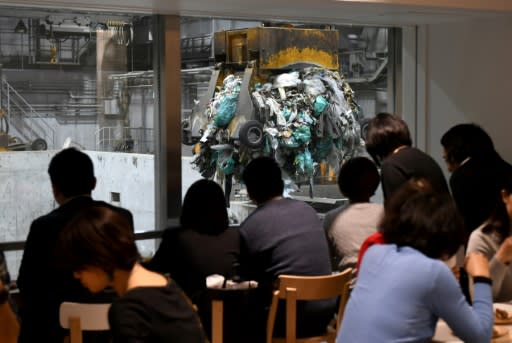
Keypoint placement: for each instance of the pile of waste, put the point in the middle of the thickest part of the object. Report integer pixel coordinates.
(306, 117)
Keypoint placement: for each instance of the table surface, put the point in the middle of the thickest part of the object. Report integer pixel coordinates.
(444, 333)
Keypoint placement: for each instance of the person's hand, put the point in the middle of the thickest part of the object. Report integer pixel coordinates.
(456, 272)
(477, 265)
(504, 253)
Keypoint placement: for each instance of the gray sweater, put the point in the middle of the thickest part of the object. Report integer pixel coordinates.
(501, 274)
(349, 230)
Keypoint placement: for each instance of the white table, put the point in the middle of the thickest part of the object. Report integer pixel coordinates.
(444, 333)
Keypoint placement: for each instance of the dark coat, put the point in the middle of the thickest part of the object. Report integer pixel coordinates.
(475, 187)
(42, 283)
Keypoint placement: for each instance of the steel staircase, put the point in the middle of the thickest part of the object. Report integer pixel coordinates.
(25, 123)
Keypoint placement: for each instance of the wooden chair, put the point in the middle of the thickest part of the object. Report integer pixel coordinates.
(293, 288)
(78, 317)
(237, 302)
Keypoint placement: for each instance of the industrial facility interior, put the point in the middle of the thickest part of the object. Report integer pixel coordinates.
(88, 80)
(89, 77)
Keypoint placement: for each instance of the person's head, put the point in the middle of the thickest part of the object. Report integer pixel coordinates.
(463, 141)
(358, 179)
(385, 133)
(423, 219)
(95, 245)
(501, 216)
(71, 174)
(204, 208)
(411, 187)
(262, 177)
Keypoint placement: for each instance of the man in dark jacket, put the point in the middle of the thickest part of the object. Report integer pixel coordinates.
(283, 236)
(43, 284)
(389, 142)
(477, 172)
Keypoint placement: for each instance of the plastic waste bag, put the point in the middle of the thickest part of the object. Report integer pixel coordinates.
(304, 163)
(320, 105)
(323, 148)
(226, 111)
(314, 87)
(302, 134)
(287, 80)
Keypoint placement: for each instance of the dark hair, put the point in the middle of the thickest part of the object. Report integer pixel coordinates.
(427, 221)
(358, 179)
(98, 237)
(72, 172)
(466, 140)
(499, 221)
(411, 187)
(262, 177)
(386, 132)
(204, 208)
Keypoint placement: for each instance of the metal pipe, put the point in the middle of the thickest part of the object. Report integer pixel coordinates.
(67, 105)
(87, 97)
(58, 63)
(197, 70)
(141, 86)
(133, 74)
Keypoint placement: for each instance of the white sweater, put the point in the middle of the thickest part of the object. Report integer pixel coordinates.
(501, 274)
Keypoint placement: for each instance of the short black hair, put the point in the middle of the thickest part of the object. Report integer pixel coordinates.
(72, 172)
(262, 177)
(428, 222)
(386, 132)
(204, 208)
(358, 178)
(98, 237)
(466, 140)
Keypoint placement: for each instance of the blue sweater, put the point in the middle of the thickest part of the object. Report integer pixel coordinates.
(400, 294)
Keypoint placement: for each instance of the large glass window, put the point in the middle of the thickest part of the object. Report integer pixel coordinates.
(75, 79)
(87, 80)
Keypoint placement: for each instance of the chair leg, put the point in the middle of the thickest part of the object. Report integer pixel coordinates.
(75, 330)
(217, 321)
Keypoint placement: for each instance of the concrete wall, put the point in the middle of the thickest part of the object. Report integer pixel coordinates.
(469, 79)
(26, 192)
(132, 177)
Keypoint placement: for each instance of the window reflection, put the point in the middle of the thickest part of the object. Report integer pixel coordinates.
(75, 79)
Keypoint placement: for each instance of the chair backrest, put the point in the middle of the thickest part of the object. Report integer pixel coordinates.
(78, 317)
(295, 287)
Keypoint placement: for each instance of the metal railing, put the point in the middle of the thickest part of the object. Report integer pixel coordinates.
(125, 139)
(23, 118)
(139, 236)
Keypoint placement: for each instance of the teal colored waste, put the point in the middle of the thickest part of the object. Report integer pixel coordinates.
(226, 111)
(287, 113)
(227, 167)
(323, 148)
(304, 163)
(302, 134)
(320, 105)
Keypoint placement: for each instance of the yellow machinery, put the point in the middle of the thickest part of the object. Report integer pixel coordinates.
(278, 48)
(10, 143)
(259, 53)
